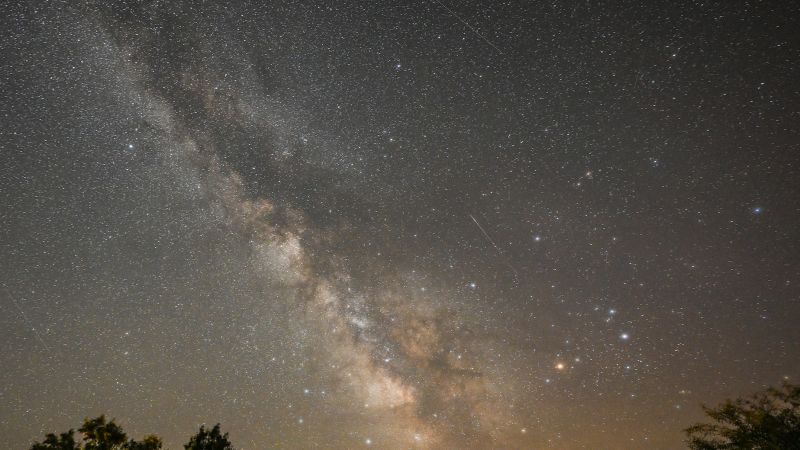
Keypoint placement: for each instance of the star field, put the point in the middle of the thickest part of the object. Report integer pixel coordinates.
(426, 224)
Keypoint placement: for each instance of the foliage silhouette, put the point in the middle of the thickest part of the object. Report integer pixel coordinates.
(102, 435)
(150, 442)
(65, 441)
(209, 440)
(769, 420)
(98, 434)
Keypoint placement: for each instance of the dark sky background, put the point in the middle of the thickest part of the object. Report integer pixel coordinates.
(423, 224)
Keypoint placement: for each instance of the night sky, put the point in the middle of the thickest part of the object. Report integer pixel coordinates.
(427, 224)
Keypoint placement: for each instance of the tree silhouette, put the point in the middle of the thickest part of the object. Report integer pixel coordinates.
(102, 435)
(769, 420)
(209, 440)
(98, 434)
(65, 441)
(150, 442)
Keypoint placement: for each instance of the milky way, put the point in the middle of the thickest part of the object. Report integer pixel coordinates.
(416, 225)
